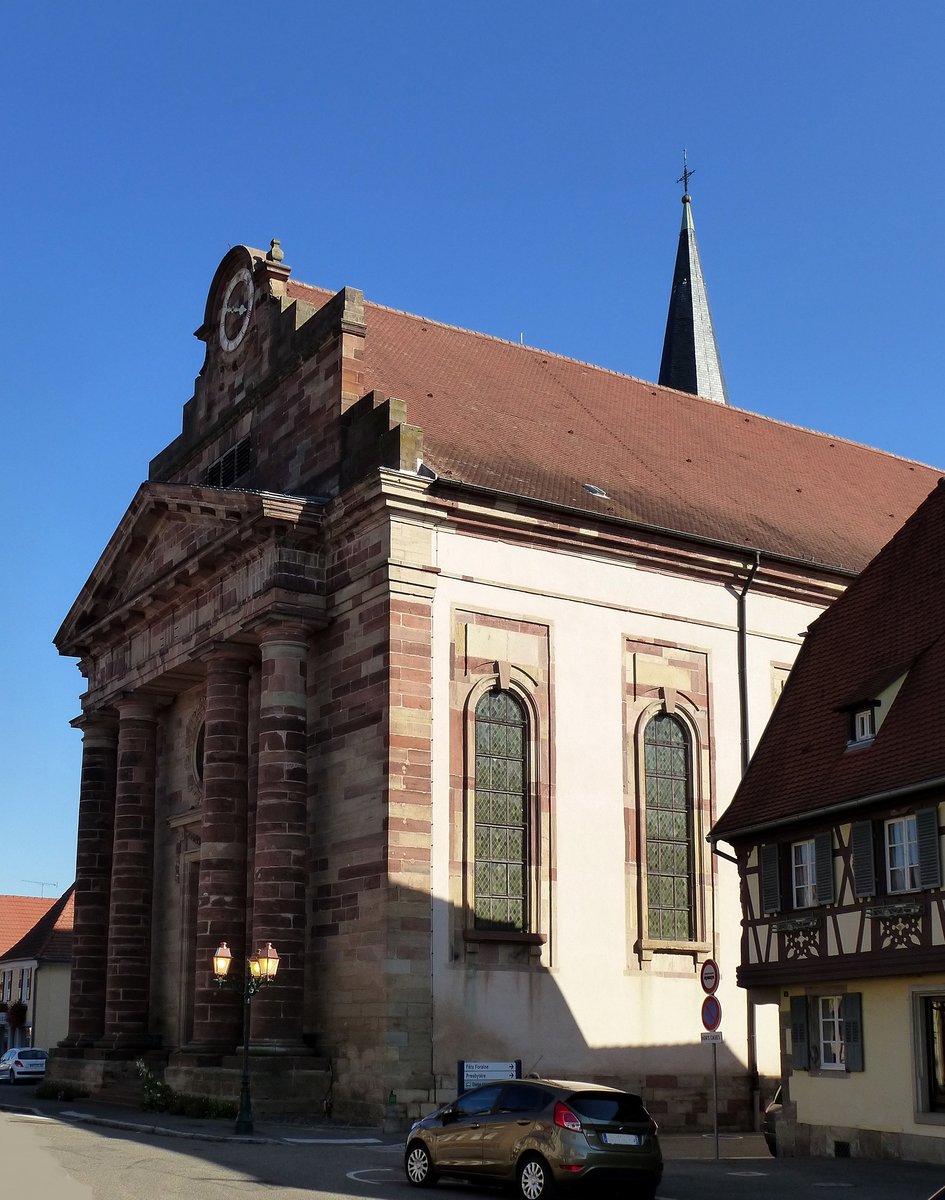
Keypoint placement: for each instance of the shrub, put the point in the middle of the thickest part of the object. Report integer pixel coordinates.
(155, 1093)
(158, 1096)
(183, 1104)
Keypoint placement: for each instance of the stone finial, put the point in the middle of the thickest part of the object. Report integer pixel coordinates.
(275, 251)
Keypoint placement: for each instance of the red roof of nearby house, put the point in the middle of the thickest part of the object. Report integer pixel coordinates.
(890, 621)
(530, 423)
(18, 915)
(49, 939)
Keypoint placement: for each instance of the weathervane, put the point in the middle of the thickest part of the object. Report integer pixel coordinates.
(686, 173)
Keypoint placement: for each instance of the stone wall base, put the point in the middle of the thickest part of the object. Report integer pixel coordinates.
(796, 1140)
(287, 1085)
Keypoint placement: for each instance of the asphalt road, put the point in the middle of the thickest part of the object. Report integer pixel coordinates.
(53, 1159)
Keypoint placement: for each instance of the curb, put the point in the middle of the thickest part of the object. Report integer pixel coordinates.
(196, 1135)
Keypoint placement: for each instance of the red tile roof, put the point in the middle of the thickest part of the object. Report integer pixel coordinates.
(889, 621)
(18, 915)
(527, 422)
(49, 940)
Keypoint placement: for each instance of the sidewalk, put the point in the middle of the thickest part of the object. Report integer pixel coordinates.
(269, 1131)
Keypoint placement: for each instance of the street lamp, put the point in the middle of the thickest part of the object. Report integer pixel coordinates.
(260, 971)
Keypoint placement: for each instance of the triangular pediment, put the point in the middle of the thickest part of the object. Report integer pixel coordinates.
(171, 533)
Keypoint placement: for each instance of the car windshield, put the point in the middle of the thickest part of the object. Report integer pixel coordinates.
(608, 1106)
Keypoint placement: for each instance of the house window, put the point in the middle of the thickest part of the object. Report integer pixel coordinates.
(669, 819)
(933, 1036)
(864, 725)
(829, 1033)
(802, 867)
(501, 832)
(902, 855)
(29, 983)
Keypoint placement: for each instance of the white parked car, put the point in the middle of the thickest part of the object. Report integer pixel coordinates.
(22, 1062)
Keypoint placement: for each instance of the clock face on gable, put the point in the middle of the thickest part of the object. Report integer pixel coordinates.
(237, 308)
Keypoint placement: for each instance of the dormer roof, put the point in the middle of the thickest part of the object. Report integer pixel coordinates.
(888, 625)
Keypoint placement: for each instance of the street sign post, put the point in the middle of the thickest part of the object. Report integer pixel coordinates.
(711, 1020)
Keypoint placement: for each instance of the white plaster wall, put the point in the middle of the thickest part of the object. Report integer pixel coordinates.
(597, 1010)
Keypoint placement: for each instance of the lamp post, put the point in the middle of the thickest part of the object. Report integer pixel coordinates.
(260, 971)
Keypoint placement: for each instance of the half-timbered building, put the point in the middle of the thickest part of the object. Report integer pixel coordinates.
(837, 828)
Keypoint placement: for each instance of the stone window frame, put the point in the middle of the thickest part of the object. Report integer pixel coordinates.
(518, 684)
(699, 946)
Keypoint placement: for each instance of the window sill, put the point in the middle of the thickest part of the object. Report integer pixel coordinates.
(650, 946)
(504, 935)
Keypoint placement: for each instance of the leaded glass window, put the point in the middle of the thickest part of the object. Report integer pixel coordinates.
(669, 876)
(501, 814)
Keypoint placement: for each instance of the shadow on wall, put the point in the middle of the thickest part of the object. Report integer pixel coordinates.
(494, 999)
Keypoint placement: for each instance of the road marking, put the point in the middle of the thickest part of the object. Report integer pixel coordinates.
(358, 1176)
(750, 1174)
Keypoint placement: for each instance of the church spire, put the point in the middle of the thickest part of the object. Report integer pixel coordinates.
(691, 360)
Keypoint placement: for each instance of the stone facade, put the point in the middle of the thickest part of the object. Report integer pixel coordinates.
(285, 643)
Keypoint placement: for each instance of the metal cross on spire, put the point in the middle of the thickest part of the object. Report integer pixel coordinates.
(686, 173)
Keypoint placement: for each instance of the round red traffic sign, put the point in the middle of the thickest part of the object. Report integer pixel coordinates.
(711, 1013)
(709, 975)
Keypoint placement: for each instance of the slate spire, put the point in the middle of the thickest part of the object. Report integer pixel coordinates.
(691, 360)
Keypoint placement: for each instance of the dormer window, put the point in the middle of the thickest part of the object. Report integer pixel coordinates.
(864, 724)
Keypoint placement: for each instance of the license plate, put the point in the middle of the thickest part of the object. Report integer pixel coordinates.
(621, 1139)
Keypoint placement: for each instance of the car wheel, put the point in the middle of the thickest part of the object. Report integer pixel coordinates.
(535, 1181)
(419, 1166)
(12, 1075)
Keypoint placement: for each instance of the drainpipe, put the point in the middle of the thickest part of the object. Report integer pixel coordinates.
(751, 1030)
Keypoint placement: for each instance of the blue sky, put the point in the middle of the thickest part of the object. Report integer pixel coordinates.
(508, 167)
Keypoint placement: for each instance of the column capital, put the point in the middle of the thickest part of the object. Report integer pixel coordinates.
(97, 729)
(235, 652)
(283, 637)
(136, 707)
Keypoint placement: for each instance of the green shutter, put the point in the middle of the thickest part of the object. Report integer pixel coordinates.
(864, 875)
(823, 867)
(851, 1014)
(800, 1036)
(926, 827)
(770, 878)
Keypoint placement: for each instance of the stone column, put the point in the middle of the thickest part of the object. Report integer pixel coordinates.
(280, 866)
(221, 890)
(93, 872)
(128, 989)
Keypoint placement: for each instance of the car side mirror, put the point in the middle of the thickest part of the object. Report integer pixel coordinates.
(449, 1114)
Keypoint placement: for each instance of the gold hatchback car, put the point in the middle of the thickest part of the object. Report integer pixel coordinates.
(543, 1135)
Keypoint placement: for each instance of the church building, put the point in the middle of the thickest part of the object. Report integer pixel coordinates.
(430, 659)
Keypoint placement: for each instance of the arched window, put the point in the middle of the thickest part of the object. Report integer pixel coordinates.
(669, 830)
(501, 834)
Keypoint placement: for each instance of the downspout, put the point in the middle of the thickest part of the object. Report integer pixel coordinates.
(751, 1030)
